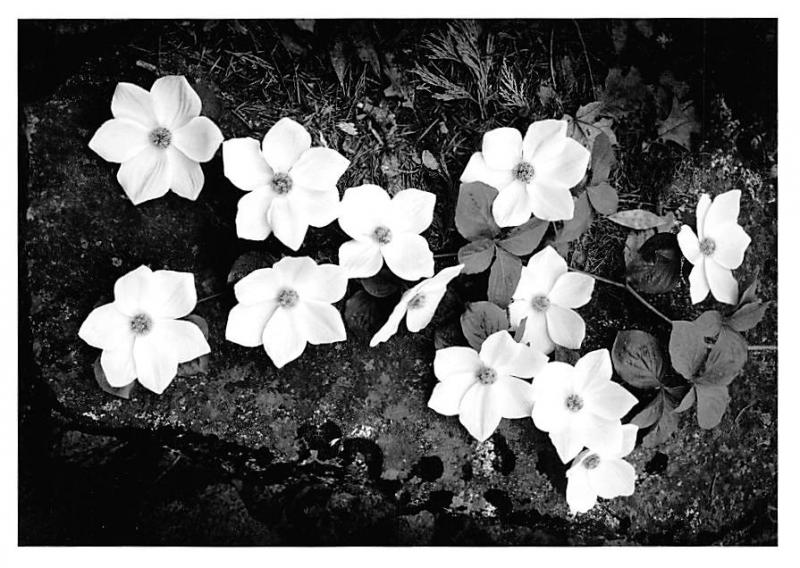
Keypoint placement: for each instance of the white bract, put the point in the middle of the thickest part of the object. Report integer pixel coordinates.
(716, 249)
(580, 406)
(384, 228)
(418, 304)
(601, 474)
(483, 388)
(545, 297)
(140, 333)
(287, 306)
(290, 185)
(532, 175)
(159, 138)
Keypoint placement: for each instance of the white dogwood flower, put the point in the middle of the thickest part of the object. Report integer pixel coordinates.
(545, 298)
(287, 306)
(532, 175)
(418, 304)
(717, 248)
(140, 333)
(580, 406)
(601, 474)
(159, 138)
(483, 388)
(384, 228)
(290, 185)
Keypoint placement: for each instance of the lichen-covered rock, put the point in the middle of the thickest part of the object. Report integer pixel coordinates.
(339, 446)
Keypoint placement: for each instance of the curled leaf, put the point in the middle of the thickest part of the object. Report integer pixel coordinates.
(656, 267)
(637, 359)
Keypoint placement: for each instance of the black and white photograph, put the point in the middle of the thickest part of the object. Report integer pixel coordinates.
(398, 282)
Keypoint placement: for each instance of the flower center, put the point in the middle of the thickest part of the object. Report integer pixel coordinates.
(708, 246)
(487, 375)
(383, 235)
(281, 183)
(287, 298)
(161, 138)
(417, 301)
(523, 172)
(573, 403)
(591, 461)
(540, 303)
(141, 324)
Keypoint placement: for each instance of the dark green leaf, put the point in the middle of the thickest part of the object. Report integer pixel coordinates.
(602, 159)
(709, 323)
(503, 277)
(480, 320)
(361, 313)
(524, 239)
(249, 262)
(667, 424)
(748, 316)
(198, 366)
(476, 256)
(604, 198)
(656, 267)
(448, 335)
(751, 290)
(474, 211)
(650, 414)
(382, 285)
(712, 401)
(565, 355)
(726, 358)
(520, 333)
(637, 359)
(688, 401)
(638, 219)
(679, 125)
(102, 382)
(581, 220)
(687, 348)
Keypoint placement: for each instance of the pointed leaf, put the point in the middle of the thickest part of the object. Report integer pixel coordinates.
(382, 285)
(524, 239)
(503, 277)
(637, 359)
(476, 256)
(199, 365)
(688, 401)
(480, 320)
(650, 414)
(638, 219)
(679, 125)
(604, 198)
(581, 220)
(667, 424)
(102, 382)
(748, 316)
(687, 348)
(712, 401)
(474, 211)
(726, 358)
(602, 159)
(750, 293)
(248, 262)
(709, 323)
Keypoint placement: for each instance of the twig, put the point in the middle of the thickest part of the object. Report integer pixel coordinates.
(762, 348)
(585, 55)
(552, 67)
(211, 297)
(446, 255)
(627, 287)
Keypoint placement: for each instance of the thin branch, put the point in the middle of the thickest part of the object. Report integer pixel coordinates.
(762, 348)
(211, 297)
(585, 55)
(552, 67)
(446, 255)
(627, 287)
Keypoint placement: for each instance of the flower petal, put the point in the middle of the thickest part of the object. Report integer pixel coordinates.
(360, 259)
(131, 290)
(514, 397)
(552, 385)
(610, 400)
(187, 175)
(599, 434)
(246, 323)
(480, 411)
(288, 222)
(723, 285)
(572, 290)
(592, 369)
(184, 338)
(319, 207)
(543, 138)
(540, 274)
(419, 317)
(319, 322)
(170, 294)
(477, 170)
(106, 327)
(411, 211)
(244, 164)
(455, 362)
(444, 276)
(174, 101)
(613, 478)
(322, 283)
(563, 169)
(568, 441)
(698, 283)
(500, 352)
(702, 210)
(261, 285)
(502, 148)
(155, 359)
(283, 338)
(118, 365)
(392, 324)
(549, 202)
(131, 102)
(284, 143)
(145, 176)
(580, 495)
(408, 256)
(198, 139)
(730, 243)
(447, 395)
(251, 215)
(536, 333)
(512, 207)
(362, 209)
(722, 211)
(565, 327)
(688, 243)
(629, 432)
(319, 169)
(118, 140)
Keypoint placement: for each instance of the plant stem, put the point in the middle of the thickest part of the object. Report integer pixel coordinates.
(211, 297)
(446, 255)
(627, 287)
(762, 347)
